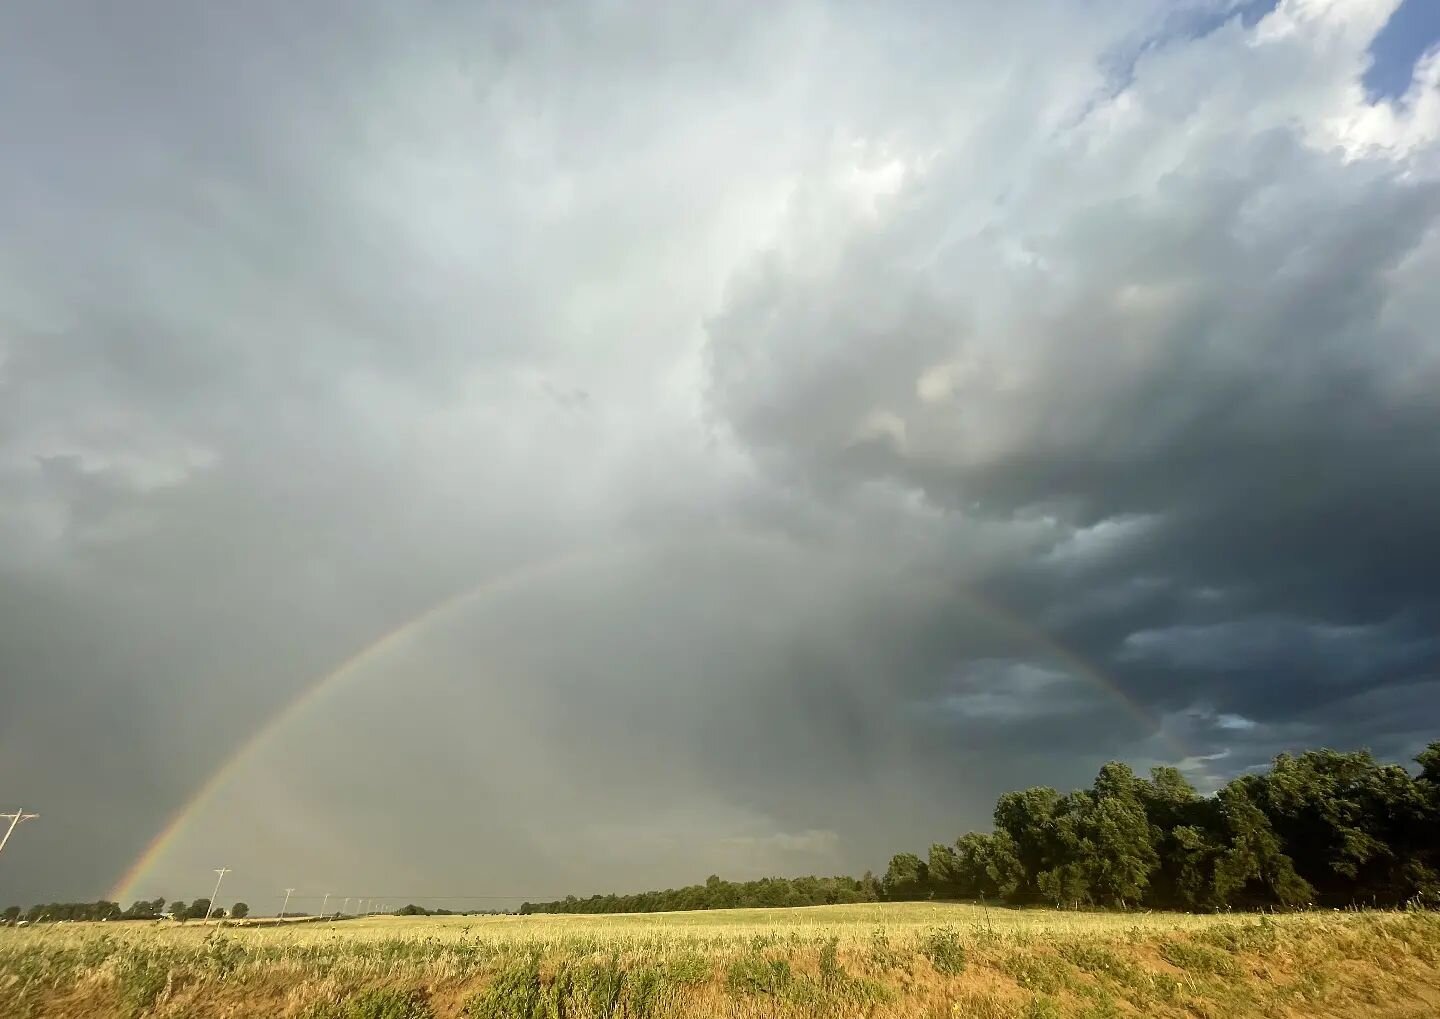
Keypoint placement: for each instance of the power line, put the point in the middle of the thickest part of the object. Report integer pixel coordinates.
(222, 871)
(15, 820)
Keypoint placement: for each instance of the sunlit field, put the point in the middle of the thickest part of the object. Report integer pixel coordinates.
(901, 960)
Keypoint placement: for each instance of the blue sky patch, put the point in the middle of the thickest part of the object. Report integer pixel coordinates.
(1412, 30)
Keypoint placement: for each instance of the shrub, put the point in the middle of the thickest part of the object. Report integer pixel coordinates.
(943, 948)
(883, 956)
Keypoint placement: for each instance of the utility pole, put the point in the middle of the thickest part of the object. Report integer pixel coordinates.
(15, 820)
(286, 904)
(222, 871)
(346, 908)
(324, 903)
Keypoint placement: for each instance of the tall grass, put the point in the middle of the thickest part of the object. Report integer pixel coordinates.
(918, 962)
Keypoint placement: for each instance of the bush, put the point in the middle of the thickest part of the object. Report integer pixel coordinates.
(943, 948)
(883, 957)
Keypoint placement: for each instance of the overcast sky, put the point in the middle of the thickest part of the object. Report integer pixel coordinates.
(839, 413)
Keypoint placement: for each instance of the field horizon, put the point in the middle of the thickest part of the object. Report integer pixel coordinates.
(900, 960)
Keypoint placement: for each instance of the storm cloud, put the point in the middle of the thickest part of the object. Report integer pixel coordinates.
(789, 428)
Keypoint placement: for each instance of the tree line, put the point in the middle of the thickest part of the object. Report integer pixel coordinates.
(718, 894)
(1321, 828)
(141, 909)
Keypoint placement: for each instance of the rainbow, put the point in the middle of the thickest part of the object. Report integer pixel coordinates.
(508, 582)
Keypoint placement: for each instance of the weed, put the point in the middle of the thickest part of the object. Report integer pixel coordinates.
(386, 1003)
(754, 974)
(1098, 960)
(142, 979)
(515, 993)
(882, 957)
(645, 992)
(1035, 971)
(1041, 1007)
(686, 968)
(1101, 1008)
(1236, 937)
(1197, 958)
(221, 955)
(600, 985)
(975, 1005)
(943, 948)
(831, 973)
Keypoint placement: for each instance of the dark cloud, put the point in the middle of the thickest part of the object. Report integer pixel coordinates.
(789, 433)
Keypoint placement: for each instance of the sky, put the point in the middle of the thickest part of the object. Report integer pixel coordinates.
(502, 451)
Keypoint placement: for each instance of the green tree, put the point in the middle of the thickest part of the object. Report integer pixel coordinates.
(145, 909)
(1429, 761)
(1180, 823)
(240, 910)
(1252, 869)
(1064, 885)
(1064, 880)
(972, 859)
(178, 909)
(943, 869)
(198, 909)
(1115, 842)
(1192, 852)
(1351, 824)
(907, 878)
(1118, 854)
(1028, 819)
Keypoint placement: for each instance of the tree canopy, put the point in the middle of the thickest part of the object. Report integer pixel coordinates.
(1319, 828)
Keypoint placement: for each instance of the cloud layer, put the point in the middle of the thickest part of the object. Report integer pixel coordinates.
(869, 411)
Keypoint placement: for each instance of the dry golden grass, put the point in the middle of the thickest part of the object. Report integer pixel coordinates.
(902, 960)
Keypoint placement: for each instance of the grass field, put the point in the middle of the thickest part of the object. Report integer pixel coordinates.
(884, 960)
